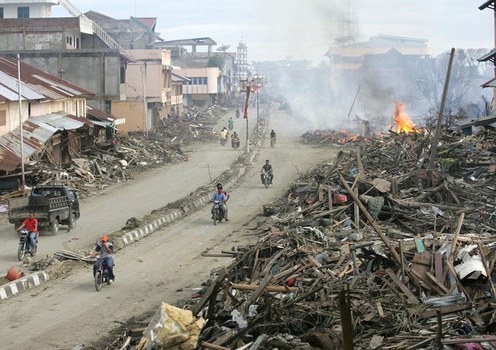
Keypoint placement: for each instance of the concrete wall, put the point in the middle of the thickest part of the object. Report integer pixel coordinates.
(151, 69)
(133, 112)
(35, 10)
(95, 70)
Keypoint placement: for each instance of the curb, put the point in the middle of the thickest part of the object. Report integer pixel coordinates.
(33, 280)
(22, 284)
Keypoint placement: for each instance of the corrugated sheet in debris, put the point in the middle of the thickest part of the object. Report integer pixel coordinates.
(58, 121)
(34, 136)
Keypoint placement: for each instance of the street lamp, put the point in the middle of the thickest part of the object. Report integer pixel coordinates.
(245, 86)
(257, 82)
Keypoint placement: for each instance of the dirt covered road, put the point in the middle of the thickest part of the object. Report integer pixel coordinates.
(166, 266)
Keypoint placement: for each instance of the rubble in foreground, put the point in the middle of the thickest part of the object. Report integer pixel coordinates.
(369, 251)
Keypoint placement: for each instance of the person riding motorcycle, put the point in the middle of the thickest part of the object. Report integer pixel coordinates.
(106, 249)
(272, 135)
(267, 167)
(220, 196)
(224, 134)
(230, 123)
(238, 113)
(31, 224)
(235, 139)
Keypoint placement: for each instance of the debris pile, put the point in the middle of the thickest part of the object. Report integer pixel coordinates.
(104, 162)
(369, 251)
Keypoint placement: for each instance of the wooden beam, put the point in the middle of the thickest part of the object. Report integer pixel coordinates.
(371, 219)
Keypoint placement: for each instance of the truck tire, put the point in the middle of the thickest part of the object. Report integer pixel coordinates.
(71, 222)
(54, 227)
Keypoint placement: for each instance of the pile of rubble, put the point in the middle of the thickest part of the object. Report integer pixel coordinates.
(105, 163)
(369, 251)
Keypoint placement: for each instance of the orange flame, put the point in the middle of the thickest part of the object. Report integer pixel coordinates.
(402, 120)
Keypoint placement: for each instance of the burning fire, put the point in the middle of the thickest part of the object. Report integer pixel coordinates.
(402, 120)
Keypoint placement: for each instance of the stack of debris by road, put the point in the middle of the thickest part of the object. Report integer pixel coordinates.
(369, 251)
(120, 158)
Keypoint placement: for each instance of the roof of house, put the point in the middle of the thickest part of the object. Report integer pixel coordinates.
(35, 83)
(186, 42)
(36, 131)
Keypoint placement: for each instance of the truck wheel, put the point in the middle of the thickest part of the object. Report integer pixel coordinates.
(54, 227)
(72, 222)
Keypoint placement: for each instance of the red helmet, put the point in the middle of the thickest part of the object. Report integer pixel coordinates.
(104, 238)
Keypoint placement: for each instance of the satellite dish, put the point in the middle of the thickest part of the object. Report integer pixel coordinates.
(223, 47)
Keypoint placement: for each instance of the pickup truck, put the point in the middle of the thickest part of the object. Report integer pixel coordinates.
(52, 205)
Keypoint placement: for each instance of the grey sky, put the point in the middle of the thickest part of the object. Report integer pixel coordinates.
(275, 29)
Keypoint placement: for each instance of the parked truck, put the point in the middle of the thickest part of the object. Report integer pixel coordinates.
(52, 205)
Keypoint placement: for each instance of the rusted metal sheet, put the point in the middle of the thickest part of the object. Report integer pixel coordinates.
(34, 137)
(36, 131)
(59, 121)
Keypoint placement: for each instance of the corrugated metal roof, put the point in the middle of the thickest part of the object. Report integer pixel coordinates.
(8, 89)
(35, 78)
(36, 131)
(58, 121)
(34, 137)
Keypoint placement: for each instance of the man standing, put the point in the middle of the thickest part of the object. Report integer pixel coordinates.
(31, 224)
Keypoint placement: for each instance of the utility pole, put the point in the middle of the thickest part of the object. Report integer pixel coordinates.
(432, 159)
(248, 91)
(21, 132)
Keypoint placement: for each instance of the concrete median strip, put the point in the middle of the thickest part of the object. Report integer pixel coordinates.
(22, 284)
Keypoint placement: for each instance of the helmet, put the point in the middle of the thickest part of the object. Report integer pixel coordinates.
(104, 238)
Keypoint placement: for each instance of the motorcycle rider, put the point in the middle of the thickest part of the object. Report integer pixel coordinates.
(235, 138)
(230, 123)
(221, 196)
(224, 134)
(106, 249)
(267, 167)
(31, 224)
(272, 136)
(238, 113)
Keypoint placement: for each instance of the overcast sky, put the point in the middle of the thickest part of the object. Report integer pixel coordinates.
(276, 29)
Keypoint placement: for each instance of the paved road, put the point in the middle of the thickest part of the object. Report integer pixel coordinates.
(164, 266)
(136, 198)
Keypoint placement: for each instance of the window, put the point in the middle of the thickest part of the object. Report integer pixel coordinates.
(1, 12)
(23, 12)
(195, 81)
(3, 118)
(205, 81)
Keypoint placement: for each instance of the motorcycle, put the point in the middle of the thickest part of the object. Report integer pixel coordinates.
(230, 126)
(101, 274)
(266, 179)
(272, 142)
(217, 212)
(235, 144)
(24, 247)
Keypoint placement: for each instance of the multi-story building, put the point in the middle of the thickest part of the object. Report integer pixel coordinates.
(148, 90)
(384, 67)
(203, 87)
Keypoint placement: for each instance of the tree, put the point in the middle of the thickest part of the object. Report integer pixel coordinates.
(216, 60)
(464, 85)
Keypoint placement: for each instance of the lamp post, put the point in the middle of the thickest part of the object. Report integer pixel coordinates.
(264, 83)
(257, 81)
(246, 87)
